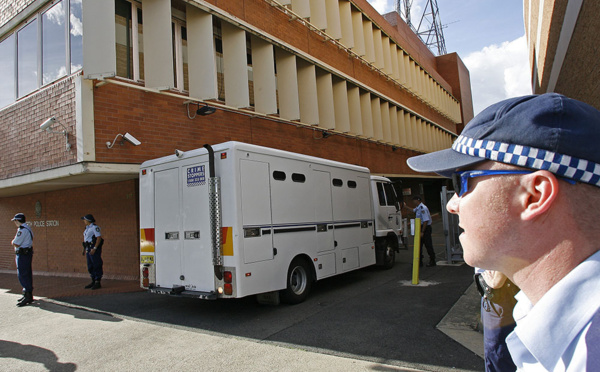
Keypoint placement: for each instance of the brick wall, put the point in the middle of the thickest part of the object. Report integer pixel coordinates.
(33, 150)
(161, 123)
(59, 229)
(10, 8)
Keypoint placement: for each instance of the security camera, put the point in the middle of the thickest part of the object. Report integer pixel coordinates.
(179, 153)
(131, 139)
(48, 123)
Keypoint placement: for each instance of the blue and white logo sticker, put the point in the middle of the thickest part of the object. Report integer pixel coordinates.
(196, 176)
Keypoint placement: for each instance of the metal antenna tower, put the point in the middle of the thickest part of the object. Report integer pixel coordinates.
(403, 8)
(430, 26)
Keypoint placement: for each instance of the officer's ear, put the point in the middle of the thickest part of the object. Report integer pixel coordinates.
(537, 193)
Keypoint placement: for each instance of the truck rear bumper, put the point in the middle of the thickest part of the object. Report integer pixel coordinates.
(179, 292)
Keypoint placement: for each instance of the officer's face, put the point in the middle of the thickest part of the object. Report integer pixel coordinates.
(487, 216)
(86, 222)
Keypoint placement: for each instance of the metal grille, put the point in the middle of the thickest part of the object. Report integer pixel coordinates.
(214, 203)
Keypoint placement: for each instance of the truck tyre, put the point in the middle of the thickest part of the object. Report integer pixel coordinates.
(298, 282)
(389, 255)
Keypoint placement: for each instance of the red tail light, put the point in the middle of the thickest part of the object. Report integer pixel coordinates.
(228, 277)
(228, 289)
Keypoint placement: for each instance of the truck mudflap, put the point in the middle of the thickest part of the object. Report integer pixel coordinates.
(180, 291)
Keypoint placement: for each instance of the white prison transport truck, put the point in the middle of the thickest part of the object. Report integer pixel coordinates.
(235, 220)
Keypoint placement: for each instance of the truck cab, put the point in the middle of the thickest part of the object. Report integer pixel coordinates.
(388, 220)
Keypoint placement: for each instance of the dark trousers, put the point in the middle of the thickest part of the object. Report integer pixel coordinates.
(94, 264)
(498, 322)
(428, 242)
(24, 271)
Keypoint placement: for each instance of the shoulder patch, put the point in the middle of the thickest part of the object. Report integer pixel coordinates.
(98, 229)
(19, 233)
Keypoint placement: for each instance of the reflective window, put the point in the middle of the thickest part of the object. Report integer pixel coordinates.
(76, 34)
(27, 58)
(380, 193)
(123, 39)
(140, 43)
(54, 43)
(7, 66)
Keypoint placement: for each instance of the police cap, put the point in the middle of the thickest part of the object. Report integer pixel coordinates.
(88, 217)
(19, 217)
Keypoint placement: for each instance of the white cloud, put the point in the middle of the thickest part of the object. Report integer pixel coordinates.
(499, 72)
(382, 6)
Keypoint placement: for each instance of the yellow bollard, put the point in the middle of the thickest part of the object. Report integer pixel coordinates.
(416, 251)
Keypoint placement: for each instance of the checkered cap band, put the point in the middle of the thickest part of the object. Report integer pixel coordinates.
(530, 157)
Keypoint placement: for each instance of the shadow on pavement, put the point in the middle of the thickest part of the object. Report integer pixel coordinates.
(35, 354)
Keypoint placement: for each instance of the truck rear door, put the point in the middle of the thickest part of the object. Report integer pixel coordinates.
(183, 256)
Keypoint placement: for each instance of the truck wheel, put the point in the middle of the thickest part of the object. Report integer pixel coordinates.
(389, 255)
(298, 282)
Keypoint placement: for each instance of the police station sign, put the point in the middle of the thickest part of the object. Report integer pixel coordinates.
(47, 223)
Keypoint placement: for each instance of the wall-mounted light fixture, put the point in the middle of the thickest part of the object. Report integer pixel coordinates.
(47, 126)
(202, 111)
(125, 137)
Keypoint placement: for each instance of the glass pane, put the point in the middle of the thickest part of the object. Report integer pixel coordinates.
(380, 193)
(76, 32)
(27, 59)
(54, 45)
(184, 55)
(123, 38)
(390, 194)
(141, 43)
(7, 66)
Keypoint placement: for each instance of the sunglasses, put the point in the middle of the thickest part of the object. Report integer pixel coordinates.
(460, 180)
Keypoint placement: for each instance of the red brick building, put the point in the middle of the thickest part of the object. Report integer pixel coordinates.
(328, 78)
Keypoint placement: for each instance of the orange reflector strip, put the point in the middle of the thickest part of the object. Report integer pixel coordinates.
(315, 259)
(228, 289)
(248, 274)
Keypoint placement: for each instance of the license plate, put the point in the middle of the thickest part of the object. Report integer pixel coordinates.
(147, 259)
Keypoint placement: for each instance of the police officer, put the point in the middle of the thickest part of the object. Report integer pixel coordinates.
(422, 212)
(23, 244)
(92, 248)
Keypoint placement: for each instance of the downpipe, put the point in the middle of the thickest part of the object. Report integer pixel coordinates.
(214, 204)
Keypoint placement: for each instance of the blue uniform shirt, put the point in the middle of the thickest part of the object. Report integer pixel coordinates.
(24, 237)
(422, 212)
(90, 231)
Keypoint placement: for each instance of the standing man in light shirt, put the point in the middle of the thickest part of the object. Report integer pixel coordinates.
(422, 212)
(23, 245)
(526, 172)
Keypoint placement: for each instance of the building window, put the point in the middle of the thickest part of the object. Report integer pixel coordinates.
(54, 43)
(129, 40)
(180, 55)
(47, 48)
(27, 47)
(7, 66)
(76, 35)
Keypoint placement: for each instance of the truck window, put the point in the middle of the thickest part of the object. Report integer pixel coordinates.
(352, 184)
(337, 182)
(298, 177)
(390, 194)
(279, 175)
(380, 193)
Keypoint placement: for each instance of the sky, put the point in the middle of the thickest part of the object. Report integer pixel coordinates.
(489, 37)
